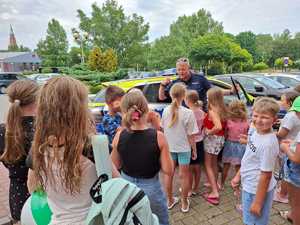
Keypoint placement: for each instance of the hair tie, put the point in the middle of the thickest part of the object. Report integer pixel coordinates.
(136, 115)
(17, 101)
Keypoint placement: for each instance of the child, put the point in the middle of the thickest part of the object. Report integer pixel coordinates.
(179, 126)
(237, 125)
(63, 128)
(193, 102)
(111, 121)
(15, 141)
(289, 128)
(214, 124)
(141, 152)
(292, 174)
(258, 164)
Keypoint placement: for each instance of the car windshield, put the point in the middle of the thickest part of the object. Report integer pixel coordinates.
(270, 83)
(100, 96)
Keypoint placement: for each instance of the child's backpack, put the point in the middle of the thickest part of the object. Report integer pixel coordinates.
(115, 200)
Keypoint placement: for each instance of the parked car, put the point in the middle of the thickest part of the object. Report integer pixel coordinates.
(257, 84)
(42, 78)
(150, 87)
(6, 78)
(288, 80)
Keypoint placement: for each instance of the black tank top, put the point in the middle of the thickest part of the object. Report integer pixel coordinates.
(139, 153)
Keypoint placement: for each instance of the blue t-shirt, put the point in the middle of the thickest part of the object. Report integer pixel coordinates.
(110, 125)
(197, 82)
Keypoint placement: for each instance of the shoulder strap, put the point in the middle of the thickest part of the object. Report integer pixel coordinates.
(139, 196)
(101, 155)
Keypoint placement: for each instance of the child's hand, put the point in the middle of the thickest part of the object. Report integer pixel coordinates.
(285, 146)
(243, 138)
(255, 209)
(206, 131)
(194, 155)
(235, 182)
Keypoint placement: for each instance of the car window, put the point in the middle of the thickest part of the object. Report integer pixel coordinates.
(248, 83)
(288, 82)
(9, 76)
(270, 83)
(229, 98)
(151, 93)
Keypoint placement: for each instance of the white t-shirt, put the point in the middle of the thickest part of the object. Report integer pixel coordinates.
(291, 122)
(260, 155)
(72, 209)
(177, 135)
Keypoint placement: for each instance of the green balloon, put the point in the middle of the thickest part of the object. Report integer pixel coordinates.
(40, 208)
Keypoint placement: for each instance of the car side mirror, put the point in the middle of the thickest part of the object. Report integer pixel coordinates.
(259, 88)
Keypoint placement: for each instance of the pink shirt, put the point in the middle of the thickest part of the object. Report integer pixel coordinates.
(199, 115)
(235, 128)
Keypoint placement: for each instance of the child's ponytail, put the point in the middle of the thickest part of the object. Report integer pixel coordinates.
(20, 93)
(133, 106)
(177, 93)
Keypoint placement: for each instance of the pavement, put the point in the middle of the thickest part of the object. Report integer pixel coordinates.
(201, 212)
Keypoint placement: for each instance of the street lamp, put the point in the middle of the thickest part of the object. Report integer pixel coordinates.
(81, 38)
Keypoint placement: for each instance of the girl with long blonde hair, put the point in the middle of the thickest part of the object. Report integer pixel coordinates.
(180, 126)
(61, 148)
(15, 140)
(214, 128)
(141, 152)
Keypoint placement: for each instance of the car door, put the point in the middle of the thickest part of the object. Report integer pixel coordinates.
(250, 85)
(151, 94)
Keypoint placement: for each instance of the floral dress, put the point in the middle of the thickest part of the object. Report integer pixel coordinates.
(18, 171)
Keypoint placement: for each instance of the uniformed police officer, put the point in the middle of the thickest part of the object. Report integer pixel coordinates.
(193, 81)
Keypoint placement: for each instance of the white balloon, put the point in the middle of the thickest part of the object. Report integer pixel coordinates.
(26, 214)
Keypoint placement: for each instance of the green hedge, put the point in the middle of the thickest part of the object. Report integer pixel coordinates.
(260, 66)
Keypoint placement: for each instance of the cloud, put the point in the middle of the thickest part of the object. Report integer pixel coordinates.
(30, 18)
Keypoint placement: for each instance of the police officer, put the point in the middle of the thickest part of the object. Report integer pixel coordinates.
(193, 81)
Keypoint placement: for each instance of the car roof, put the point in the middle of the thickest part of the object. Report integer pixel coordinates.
(16, 73)
(126, 84)
(282, 75)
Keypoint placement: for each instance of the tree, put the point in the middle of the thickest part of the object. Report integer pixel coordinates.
(282, 45)
(164, 52)
(111, 28)
(264, 47)
(110, 61)
(187, 28)
(247, 40)
(54, 49)
(212, 48)
(75, 56)
(16, 48)
(96, 59)
(103, 62)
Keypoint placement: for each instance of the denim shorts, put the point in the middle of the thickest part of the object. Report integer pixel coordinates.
(249, 218)
(153, 190)
(292, 173)
(183, 158)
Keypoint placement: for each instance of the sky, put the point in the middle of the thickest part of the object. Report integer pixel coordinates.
(29, 18)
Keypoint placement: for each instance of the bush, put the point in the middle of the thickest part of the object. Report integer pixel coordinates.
(46, 70)
(95, 89)
(216, 68)
(297, 64)
(260, 66)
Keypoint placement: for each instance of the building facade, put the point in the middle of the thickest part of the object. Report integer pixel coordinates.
(19, 61)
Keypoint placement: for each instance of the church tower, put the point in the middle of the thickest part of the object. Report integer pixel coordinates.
(12, 40)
